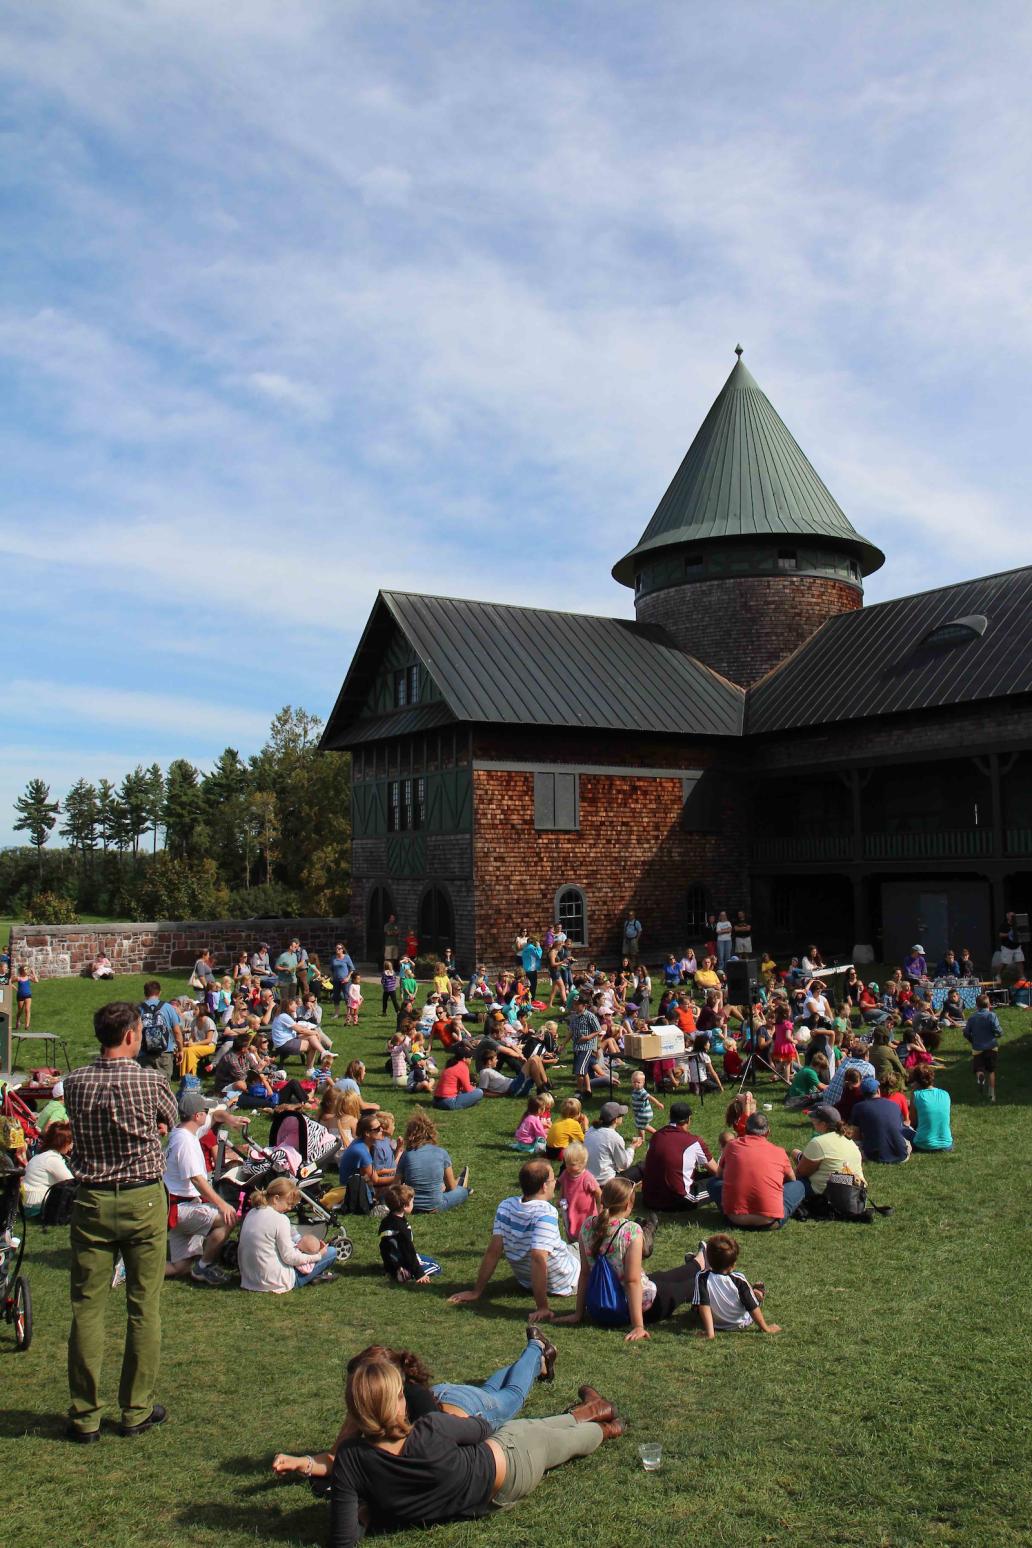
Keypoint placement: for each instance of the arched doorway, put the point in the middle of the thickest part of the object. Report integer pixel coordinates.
(436, 921)
(378, 911)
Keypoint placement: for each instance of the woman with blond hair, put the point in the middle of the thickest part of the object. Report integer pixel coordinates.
(612, 1234)
(268, 1256)
(391, 1473)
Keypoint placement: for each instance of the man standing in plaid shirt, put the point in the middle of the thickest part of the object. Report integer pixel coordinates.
(118, 1112)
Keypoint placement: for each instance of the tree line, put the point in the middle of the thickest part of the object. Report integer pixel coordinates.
(263, 836)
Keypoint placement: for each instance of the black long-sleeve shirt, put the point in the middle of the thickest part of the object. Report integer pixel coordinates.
(397, 1227)
(444, 1472)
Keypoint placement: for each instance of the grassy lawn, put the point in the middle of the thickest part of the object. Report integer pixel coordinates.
(893, 1410)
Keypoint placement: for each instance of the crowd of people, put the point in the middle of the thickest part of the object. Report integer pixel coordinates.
(857, 1061)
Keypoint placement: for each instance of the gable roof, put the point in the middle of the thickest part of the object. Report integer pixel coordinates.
(873, 662)
(497, 664)
(745, 476)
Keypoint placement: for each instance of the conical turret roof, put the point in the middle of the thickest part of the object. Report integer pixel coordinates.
(745, 476)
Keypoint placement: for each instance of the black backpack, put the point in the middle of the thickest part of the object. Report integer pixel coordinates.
(846, 1198)
(155, 1033)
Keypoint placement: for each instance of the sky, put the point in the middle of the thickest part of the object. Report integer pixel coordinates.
(298, 301)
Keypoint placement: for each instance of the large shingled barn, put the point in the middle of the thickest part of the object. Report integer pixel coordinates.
(756, 739)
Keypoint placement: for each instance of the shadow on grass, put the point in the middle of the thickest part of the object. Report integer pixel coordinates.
(219, 1518)
(30, 1424)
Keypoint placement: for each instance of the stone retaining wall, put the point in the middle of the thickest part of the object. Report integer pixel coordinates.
(66, 951)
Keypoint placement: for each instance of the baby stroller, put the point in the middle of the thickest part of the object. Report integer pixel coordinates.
(237, 1181)
(15, 1295)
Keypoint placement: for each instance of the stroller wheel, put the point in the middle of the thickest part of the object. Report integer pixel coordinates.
(22, 1313)
(228, 1256)
(344, 1245)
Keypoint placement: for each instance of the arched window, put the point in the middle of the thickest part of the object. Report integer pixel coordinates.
(572, 913)
(436, 921)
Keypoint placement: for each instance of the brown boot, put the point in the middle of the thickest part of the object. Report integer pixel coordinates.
(590, 1395)
(601, 1411)
(613, 1428)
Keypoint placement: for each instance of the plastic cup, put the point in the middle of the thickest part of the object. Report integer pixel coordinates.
(651, 1454)
(768, 1107)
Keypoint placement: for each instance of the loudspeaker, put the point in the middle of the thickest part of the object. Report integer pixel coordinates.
(740, 990)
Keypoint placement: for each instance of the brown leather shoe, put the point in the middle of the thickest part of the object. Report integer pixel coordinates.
(613, 1428)
(548, 1351)
(601, 1411)
(590, 1395)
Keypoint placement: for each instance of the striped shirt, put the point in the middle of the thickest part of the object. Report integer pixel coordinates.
(114, 1108)
(532, 1225)
(729, 1297)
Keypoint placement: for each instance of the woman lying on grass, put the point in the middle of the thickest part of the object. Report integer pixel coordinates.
(405, 1457)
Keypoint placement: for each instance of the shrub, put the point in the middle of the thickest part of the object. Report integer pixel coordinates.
(426, 964)
(268, 901)
(49, 908)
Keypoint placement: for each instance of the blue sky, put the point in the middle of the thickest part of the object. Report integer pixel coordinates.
(301, 300)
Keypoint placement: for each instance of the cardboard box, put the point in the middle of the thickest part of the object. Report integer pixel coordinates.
(666, 1044)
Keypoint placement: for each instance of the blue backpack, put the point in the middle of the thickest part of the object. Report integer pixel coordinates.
(606, 1302)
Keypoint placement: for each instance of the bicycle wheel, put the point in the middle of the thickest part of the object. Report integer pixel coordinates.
(22, 1313)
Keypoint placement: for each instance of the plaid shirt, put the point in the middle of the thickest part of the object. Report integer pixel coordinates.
(114, 1107)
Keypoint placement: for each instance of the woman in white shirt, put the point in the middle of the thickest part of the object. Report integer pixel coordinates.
(268, 1256)
(47, 1166)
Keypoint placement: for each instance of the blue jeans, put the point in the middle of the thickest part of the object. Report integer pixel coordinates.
(452, 1198)
(520, 1085)
(328, 1257)
(502, 1395)
(723, 951)
(464, 1099)
(792, 1194)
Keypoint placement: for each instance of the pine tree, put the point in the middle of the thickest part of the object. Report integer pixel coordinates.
(105, 811)
(82, 817)
(155, 801)
(134, 808)
(184, 809)
(37, 815)
(266, 817)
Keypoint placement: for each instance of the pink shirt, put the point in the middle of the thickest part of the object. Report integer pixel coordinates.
(532, 1127)
(580, 1194)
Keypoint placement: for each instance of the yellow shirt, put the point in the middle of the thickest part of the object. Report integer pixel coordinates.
(442, 984)
(564, 1132)
(705, 978)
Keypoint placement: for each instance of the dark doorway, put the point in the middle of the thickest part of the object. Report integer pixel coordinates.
(378, 911)
(436, 921)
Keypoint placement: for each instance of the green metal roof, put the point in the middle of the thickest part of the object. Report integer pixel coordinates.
(744, 476)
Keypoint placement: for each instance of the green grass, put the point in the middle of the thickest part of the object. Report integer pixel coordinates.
(893, 1410)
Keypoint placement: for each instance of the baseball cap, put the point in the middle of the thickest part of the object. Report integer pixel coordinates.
(680, 1112)
(193, 1103)
(873, 987)
(869, 1086)
(917, 948)
(826, 1113)
(610, 1111)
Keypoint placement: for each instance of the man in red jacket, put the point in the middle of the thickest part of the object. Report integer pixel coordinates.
(674, 1157)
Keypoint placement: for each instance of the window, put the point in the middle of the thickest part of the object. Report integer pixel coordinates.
(571, 912)
(788, 559)
(638, 581)
(419, 802)
(693, 565)
(695, 913)
(406, 803)
(556, 802)
(957, 631)
(394, 806)
(413, 684)
(400, 689)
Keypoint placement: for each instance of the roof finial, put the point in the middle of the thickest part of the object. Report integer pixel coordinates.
(739, 351)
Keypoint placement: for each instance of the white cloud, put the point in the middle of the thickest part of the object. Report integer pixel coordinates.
(145, 712)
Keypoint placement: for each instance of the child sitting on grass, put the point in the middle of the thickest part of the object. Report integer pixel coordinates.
(386, 1149)
(723, 1299)
(580, 1196)
(642, 1104)
(397, 1248)
(570, 1127)
(532, 1129)
(399, 1048)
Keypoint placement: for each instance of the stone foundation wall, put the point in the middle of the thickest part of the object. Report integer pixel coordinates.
(66, 951)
